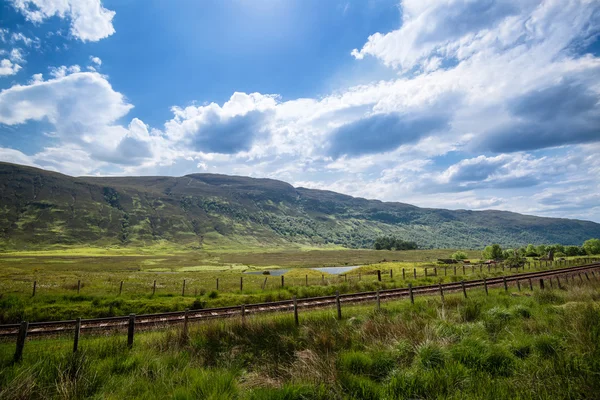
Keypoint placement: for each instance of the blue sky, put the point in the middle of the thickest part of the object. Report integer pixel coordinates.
(455, 104)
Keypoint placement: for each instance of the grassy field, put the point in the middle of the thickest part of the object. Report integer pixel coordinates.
(515, 345)
(101, 272)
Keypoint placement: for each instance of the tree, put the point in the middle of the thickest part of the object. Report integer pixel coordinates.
(572, 251)
(515, 259)
(592, 246)
(391, 243)
(531, 251)
(493, 252)
(541, 250)
(459, 255)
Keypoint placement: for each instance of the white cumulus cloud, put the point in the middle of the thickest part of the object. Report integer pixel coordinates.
(90, 21)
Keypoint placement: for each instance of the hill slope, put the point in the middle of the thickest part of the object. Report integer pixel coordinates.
(39, 208)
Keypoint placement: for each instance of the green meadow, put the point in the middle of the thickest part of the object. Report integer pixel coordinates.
(508, 345)
(212, 278)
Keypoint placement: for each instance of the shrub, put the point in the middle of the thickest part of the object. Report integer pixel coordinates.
(431, 355)
(459, 255)
(359, 387)
(498, 361)
(213, 294)
(355, 362)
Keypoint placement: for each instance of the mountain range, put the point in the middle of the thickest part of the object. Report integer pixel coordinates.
(39, 208)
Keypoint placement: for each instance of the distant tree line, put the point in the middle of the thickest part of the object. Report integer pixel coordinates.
(392, 243)
(495, 252)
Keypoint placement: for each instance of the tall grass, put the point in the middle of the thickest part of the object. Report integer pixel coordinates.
(501, 346)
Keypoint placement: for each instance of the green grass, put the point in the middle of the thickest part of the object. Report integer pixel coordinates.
(515, 345)
(57, 276)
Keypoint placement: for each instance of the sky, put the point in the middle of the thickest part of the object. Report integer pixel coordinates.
(459, 104)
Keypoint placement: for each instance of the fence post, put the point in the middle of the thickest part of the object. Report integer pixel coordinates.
(78, 286)
(76, 337)
(530, 285)
(22, 336)
(359, 276)
(243, 313)
(378, 301)
(306, 280)
(403, 274)
(519, 285)
(485, 285)
(345, 277)
(264, 283)
(505, 284)
(217, 283)
(34, 287)
(463, 269)
(551, 286)
(473, 268)
(445, 271)
(410, 293)
(425, 272)
(322, 279)
(462, 283)
(442, 292)
(282, 281)
(480, 268)
(338, 305)
(130, 330)
(587, 276)
(296, 311)
(241, 283)
(415, 272)
(542, 284)
(455, 270)
(154, 288)
(391, 274)
(183, 289)
(434, 271)
(121, 288)
(558, 282)
(379, 275)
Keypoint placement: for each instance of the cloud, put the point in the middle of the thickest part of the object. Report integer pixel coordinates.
(63, 70)
(565, 113)
(96, 60)
(83, 108)
(461, 29)
(8, 68)
(16, 55)
(232, 128)
(90, 21)
(382, 133)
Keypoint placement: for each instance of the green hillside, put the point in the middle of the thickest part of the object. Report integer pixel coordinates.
(40, 208)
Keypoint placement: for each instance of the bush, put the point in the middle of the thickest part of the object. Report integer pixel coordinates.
(459, 255)
(359, 387)
(431, 355)
(498, 361)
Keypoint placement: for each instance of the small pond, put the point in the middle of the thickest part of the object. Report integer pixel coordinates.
(336, 270)
(271, 272)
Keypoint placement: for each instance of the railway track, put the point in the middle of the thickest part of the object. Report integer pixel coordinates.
(149, 321)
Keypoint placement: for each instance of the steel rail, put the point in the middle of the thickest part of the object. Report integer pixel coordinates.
(145, 321)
